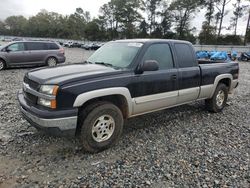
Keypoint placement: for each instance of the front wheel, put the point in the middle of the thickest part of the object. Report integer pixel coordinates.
(2, 65)
(101, 126)
(219, 99)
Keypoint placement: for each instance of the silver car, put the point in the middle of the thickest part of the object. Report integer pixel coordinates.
(31, 53)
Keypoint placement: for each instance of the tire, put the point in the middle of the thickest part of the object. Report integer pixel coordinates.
(2, 64)
(51, 61)
(219, 99)
(244, 59)
(101, 126)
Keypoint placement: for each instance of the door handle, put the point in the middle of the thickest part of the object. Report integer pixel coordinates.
(174, 77)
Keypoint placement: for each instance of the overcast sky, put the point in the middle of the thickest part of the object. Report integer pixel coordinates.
(31, 7)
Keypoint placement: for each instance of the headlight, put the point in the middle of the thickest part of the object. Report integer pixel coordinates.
(44, 102)
(50, 90)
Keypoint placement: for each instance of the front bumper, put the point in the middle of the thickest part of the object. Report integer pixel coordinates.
(63, 122)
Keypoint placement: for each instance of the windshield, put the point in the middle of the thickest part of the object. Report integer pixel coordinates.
(116, 54)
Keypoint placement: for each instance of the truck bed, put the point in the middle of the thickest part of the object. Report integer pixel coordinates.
(207, 61)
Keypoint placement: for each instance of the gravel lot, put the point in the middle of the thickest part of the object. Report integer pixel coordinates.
(184, 146)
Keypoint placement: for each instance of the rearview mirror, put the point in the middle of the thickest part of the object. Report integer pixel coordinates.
(149, 65)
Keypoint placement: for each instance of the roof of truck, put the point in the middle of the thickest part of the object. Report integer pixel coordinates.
(152, 40)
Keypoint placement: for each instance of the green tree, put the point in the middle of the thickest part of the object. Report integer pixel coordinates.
(221, 5)
(151, 7)
(127, 15)
(229, 40)
(157, 33)
(166, 20)
(238, 13)
(207, 34)
(16, 25)
(182, 12)
(2, 28)
(109, 20)
(92, 31)
(247, 33)
(143, 30)
(210, 6)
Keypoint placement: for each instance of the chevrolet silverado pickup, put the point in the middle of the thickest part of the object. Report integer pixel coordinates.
(122, 79)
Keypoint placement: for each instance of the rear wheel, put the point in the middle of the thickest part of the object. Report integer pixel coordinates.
(101, 126)
(2, 64)
(51, 61)
(219, 99)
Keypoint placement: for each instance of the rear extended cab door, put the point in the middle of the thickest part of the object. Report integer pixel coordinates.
(15, 54)
(188, 72)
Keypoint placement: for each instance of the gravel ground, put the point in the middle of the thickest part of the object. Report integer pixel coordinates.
(184, 146)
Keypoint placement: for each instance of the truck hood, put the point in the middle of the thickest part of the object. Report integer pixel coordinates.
(69, 73)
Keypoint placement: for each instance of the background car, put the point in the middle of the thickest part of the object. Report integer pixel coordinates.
(75, 45)
(17, 39)
(67, 44)
(91, 46)
(31, 53)
(245, 56)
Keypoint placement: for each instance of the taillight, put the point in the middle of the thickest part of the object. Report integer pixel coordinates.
(61, 50)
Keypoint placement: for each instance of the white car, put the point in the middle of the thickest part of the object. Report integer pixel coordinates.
(68, 44)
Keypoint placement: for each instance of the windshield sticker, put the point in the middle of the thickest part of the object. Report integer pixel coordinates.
(135, 44)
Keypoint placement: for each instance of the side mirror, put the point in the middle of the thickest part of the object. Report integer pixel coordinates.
(149, 65)
(7, 49)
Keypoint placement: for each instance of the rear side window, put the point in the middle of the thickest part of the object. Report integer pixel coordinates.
(185, 55)
(36, 46)
(53, 46)
(160, 53)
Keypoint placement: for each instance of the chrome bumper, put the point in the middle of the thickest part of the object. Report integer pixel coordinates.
(63, 124)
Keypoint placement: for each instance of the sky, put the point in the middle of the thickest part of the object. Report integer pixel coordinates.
(29, 8)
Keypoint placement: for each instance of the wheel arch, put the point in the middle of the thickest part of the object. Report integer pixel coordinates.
(223, 78)
(50, 56)
(4, 61)
(119, 96)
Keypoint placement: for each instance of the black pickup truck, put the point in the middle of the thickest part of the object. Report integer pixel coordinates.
(122, 79)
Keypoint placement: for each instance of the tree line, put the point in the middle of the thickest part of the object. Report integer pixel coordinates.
(137, 19)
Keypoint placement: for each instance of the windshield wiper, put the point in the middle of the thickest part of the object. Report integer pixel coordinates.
(87, 62)
(106, 64)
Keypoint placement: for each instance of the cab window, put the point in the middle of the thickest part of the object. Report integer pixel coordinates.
(185, 55)
(160, 53)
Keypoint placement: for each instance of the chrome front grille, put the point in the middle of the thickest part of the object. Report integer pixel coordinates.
(27, 85)
(32, 84)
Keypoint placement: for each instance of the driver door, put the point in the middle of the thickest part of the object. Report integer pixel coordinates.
(15, 54)
(155, 90)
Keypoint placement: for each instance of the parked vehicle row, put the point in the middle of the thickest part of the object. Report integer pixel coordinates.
(31, 53)
(87, 46)
(92, 46)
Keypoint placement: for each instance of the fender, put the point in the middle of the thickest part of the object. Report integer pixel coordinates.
(218, 79)
(3, 58)
(84, 97)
